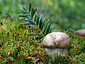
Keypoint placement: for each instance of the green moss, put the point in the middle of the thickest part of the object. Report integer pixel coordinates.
(17, 47)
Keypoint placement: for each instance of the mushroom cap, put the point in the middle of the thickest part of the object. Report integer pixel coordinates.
(80, 32)
(56, 40)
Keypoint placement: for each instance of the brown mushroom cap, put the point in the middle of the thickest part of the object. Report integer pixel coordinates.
(80, 32)
(56, 40)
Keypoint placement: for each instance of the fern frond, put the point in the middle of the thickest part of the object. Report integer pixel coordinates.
(35, 19)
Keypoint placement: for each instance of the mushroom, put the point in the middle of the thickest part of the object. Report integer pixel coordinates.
(80, 32)
(56, 42)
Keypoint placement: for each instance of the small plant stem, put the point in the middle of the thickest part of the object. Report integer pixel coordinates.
(36, 25)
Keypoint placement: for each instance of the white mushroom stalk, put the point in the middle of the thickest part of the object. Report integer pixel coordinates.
(61, 52)
(56, 42)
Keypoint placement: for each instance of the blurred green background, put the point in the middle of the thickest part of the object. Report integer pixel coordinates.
(64, 14)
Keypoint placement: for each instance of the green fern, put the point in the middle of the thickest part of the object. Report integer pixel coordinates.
(35, 19)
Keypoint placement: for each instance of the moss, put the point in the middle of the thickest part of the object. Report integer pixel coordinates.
(17, 47)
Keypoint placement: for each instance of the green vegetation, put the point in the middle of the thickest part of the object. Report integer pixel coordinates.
(35, 21)
(16, 45)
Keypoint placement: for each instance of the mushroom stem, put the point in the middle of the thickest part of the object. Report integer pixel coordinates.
(61, 52)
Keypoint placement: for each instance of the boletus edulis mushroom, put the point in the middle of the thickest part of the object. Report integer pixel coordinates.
(80, 32)
(56, 42)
